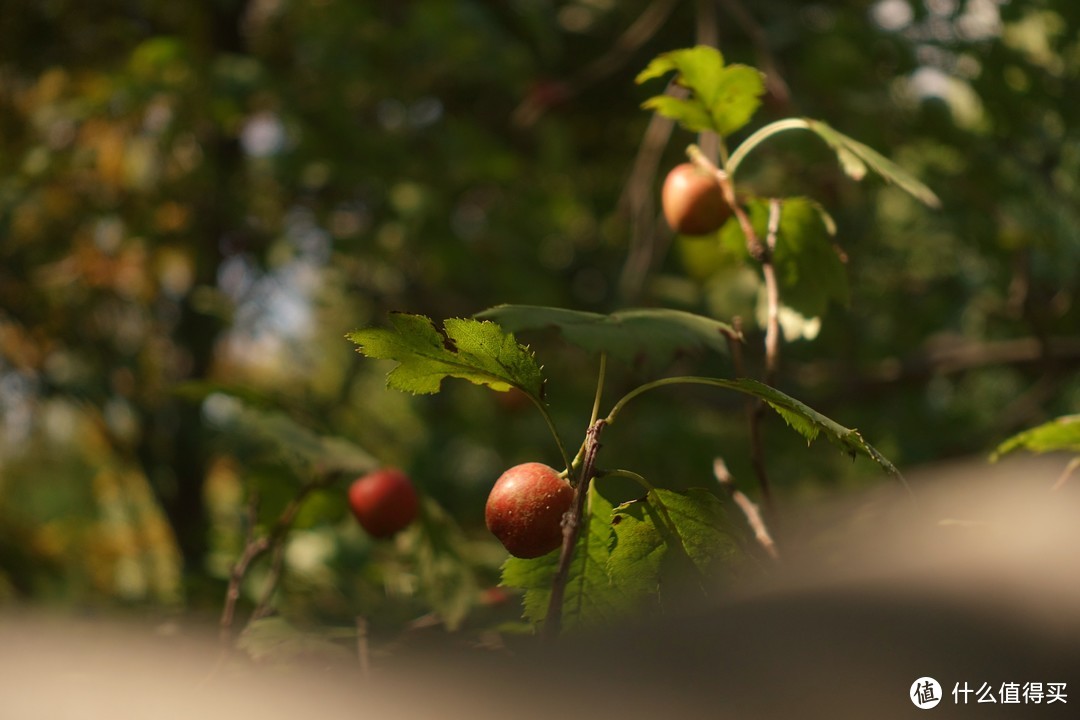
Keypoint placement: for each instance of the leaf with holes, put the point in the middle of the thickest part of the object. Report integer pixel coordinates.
(480, 352)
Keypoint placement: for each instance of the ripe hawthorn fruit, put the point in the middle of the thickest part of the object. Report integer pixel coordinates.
(693, 201)
(383, 501)
(525, 509)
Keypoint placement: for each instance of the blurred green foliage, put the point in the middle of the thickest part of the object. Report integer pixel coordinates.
(198, 201)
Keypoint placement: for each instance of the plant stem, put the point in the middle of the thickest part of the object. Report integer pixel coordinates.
(749, 509)
(754, 246)
(756, 410)
(554, 431)
(255, 547)
(599, 389)
(571, 528)
(756, 139)
(630, 474)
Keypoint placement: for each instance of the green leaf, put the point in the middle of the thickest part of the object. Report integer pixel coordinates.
(855, 157)
(274, 639)
(590, 597)
(480, 352)
(666, 537)
(723, 99)
(1060, 434)
(810, 271)
(650, 334)
(808, 267)
(277, 435)
(440, 554)
(803, 419)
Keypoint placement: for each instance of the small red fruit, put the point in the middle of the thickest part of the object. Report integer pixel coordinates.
(525, 509)
(383, 501)
(693, 201)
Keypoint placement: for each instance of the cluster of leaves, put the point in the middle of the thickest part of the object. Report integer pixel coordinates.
(723, 99)
(624, 553)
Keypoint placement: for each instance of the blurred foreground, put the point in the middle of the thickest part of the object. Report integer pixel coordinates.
(975, 584)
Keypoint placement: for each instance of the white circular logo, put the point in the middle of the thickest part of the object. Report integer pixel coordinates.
(925, 693)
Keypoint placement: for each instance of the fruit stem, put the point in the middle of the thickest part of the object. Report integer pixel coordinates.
(551, 426)
(756, 139)
(572, 524)
(599, 389)
(754, 246)
(618, 472)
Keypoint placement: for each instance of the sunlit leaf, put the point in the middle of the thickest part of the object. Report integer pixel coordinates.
(480, 352)
(1060, 434)
(722, 99)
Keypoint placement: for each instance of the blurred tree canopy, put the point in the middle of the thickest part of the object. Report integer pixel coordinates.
(198, 200)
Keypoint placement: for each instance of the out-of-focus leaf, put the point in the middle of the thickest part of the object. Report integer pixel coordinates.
(274, 639)
(855, 157)
(723, 99)
(1060, 434)
(480, 352)
(808, 268)
(277, 434)
(441, 556)
(652, 334)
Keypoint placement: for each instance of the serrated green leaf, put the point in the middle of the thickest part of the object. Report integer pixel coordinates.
(638, 334)
(1060, 434)
(688, 112)
(803, 419)
(723, 99)
(855, 157)
(480, 352)
(440, 554)
(665, 536)
(590, 597)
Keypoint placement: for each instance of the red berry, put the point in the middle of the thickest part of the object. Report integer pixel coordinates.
(383, 501)
(693, 201)
(525, 509)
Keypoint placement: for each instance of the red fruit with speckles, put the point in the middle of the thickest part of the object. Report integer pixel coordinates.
(383, 501)
(693, 201)
(525, 509)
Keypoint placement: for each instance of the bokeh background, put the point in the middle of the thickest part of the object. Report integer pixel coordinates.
(198, 200)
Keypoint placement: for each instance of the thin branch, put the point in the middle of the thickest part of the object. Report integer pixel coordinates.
(774, 79)
(945, 357)
(646, 233)
(1067, 473)
(363, 649)
(253, 548)
(572, 526)
(748, 507)
(772, 294)
(647, 24)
